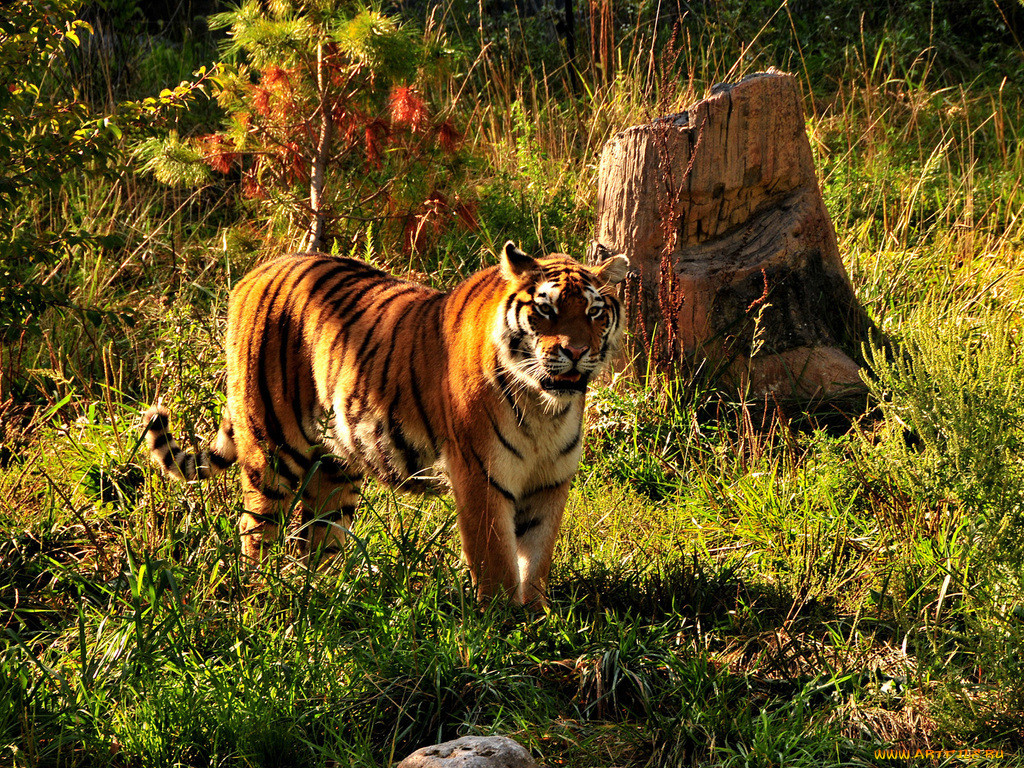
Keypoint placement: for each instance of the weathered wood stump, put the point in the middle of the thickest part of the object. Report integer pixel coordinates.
(735, 265)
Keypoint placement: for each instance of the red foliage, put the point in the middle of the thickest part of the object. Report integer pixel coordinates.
(251, 186)
(295, 164)
(408, 108)
(448, 137)
(274, 97)
(261, 101)
(218, 151)
(375, 133)
(276, 78)
(466, 213)
(424, 225)
(349, 123)
(283, 107)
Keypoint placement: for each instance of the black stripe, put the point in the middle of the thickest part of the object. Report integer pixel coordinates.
(254, 475)
(417, 398)
(508, 305)
(218, 461)
(282, 332)
(291, 370)
(394, 333)
(413, 465)
(501, 379)
(330, 274)
(303, 459)
(270, 493)
(344, 304)
(341, 305)
(375, 332)
(354, 414)
(419, 349)
(367, 339)
(501, 438)
(271, 421)
(572, 444)
(338, 309)
(160, 441)
(256, 481)
(294, 343)
(487, 280)
(389, 472)
(158, 422)
(353, 407)
(415, 317)
(515, 343)
(545, 488)
(281, 469)
(526, 525)
(411, 455)
(380, 306)
(490, 480)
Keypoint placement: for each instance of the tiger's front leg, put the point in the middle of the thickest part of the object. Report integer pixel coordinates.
(537, 522)
(486, 516)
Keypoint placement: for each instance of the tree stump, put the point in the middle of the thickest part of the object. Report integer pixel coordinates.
(736, 271)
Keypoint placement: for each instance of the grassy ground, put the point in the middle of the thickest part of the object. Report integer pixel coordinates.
(729, 590)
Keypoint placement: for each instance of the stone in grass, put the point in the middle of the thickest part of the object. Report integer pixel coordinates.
(471, 752)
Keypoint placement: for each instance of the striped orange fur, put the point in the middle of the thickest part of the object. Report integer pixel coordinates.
(336, 371)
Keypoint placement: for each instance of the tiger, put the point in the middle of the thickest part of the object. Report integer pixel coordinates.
(337, 371)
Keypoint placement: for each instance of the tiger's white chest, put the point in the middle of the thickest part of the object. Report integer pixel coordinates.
(537, 448)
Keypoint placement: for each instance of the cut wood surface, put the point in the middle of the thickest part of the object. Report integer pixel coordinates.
(736, 267)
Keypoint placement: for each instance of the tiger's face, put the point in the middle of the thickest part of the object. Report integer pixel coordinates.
(561, 321)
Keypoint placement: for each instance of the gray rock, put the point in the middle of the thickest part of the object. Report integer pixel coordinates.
(471, 752)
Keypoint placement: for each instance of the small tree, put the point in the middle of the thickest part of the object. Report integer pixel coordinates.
(329, 121)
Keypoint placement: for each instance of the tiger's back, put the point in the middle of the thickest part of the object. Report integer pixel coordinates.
(326, 350)
(336, 370)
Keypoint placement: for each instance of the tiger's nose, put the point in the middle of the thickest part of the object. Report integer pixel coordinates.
(575, 353)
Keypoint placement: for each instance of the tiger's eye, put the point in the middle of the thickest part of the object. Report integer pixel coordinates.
(546, 310)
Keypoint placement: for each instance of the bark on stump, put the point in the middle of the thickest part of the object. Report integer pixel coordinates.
(736, 270)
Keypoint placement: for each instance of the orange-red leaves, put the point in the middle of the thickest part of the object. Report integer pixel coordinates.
(408, 108)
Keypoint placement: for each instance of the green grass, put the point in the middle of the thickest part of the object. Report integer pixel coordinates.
(770, 599)
(730, 589)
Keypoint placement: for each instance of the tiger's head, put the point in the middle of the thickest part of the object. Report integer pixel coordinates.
(561, 320)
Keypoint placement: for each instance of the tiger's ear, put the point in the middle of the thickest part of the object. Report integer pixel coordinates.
(515, 263)
(612, 267)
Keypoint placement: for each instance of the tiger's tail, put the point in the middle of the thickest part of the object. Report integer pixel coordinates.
(179, 463)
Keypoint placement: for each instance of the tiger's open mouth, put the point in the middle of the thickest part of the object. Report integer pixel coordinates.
(573, 381)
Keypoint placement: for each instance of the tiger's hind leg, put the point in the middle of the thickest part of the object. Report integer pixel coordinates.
(267, 498)
(329, 502)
